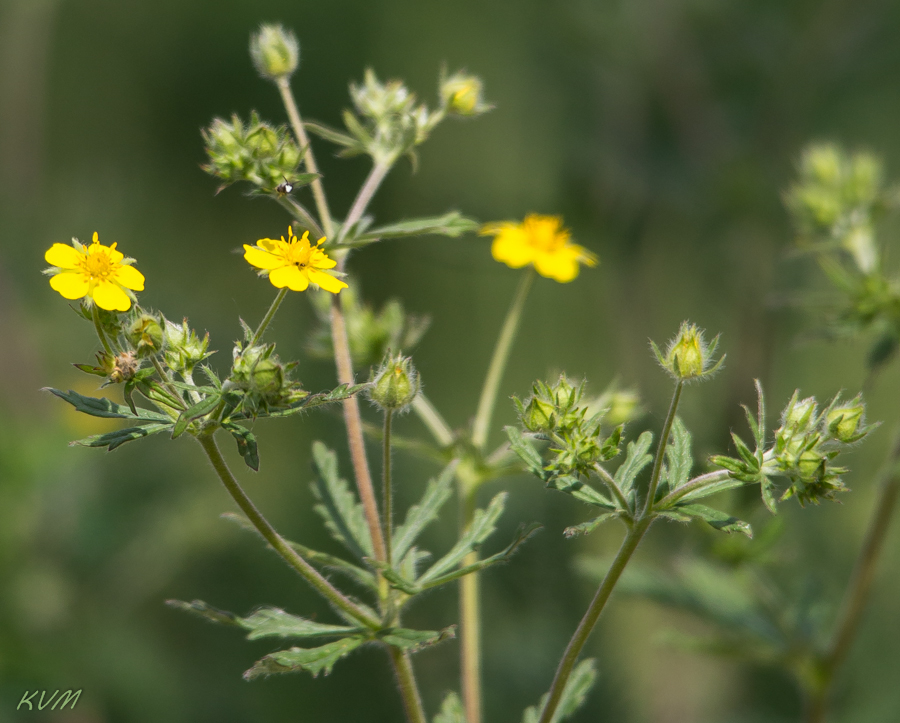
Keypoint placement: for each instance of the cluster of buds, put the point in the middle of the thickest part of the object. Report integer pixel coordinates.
(254, 151)
(395, 384)
(688, 357)
(372, 333)
(184, 349)
(462, 94)
(557, 414)
(836, 200)
(261, 377)
(275, 52)
(805, 448)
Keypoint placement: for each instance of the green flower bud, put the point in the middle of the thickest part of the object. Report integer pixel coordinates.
(461, 94)
(688, 356)
(275, 52)
(624, 406)
(810, 463)
(844, 422)
(146, 335)
(823, 163)
(800, 416)
(184, 349)
(538, 416)
(395, 384)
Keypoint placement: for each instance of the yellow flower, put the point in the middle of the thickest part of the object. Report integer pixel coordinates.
(96, 271)
(538, 240)
(294, 263)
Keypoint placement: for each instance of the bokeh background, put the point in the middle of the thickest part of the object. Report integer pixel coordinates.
(663, 131)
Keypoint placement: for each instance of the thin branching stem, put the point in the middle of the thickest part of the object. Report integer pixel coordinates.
(409, 690)
(498, 362)
(661, 449)
(95, 315)
(267, 319)
(470, 618)
(278, 543)
(388, 492)
(433, 420)
(297, 210)
(365, 195)
(167, 382)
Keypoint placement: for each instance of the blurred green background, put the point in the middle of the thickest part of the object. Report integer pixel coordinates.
(664, 132)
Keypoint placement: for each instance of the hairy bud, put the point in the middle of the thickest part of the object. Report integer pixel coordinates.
(146, 335)
(395, 384)
(275, 52)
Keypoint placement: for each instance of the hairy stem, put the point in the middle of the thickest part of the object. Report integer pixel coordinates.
(432, 419)
(498, 361)
(661, 448)
(167, 382)
(95, 315)
(470, 619)
(290, 105)
(859, 588)
(297, 210)
(409, 690)
(361, 202)
(307, 571)
(573, 650)
(388, 492)
(267, 319)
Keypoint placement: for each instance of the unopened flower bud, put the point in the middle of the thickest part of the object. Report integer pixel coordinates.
(256, 370)
(146, 335)
(462, 95)
(538, 416)
(844, 422)
(809, 463)
(184, 349)
(624, 406)
(799, 413)
(395, 384)
(688, 356)
(275, 52)
(823, 163)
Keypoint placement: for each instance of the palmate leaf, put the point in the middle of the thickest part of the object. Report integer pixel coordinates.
(321, 560)
(437, 492)
(636, 458)
(574, 693)
(106, 408)
(246, 444)
(580, 490)
(312, 660)
(343, 515)
(112, 440)
(678, 460)
(451, 710)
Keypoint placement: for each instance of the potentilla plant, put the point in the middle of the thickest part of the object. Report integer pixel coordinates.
(171, 385)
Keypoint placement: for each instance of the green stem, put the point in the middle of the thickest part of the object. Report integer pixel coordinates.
(498, 361)
(697, 483)
(290, 105)
(432, 419)
(300, 214)
(307, 571)
(166, 382)
(388, 494)
(95, 315)
(267, 319)
(361, 202)
(406, 681)
(661, 448)
(860, 586)
(470, 619)
(570, 657)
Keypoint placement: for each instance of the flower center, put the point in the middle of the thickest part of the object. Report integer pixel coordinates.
(98, 266)
(297, 255)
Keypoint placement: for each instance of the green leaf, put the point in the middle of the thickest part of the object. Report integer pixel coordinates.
(437, 492)
(712, 488)
(636, 458)
(344, 391)
(411, 641)
(343, 515)
(319, 559)
(678, 459)
(265, 622)
(330, 134)
(577, 687)
(106, 408)
(312, 660)
(589, 526)
(451, 224)
(451, 710)
(479, 529)
(526, 451)
(246, 444)
(580, 490)
(120, 436)
(715, 518)
(200, 409)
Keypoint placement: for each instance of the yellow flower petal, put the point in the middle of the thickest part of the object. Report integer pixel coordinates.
(511, 247)
(326, 281)
(65, 257)
(290, 276)
(560, 266)
(129, 277)
(262, 259)
(111, 297)
(319, 259)
(70, 285)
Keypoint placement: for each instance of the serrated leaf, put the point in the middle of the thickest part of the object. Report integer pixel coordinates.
(265, 622)
(479, 529)
(339, 394)
(712, 488)
(115, 439)
(106, 408)
(411, 641)
(746, 454)
(343, 515)
(589, 526)
(678, 455)
(329, 134)
(526, 451)
(636, 458)
(200, 409)
(580, 490)
(451, 224)
(575, 691)
(312, 660)
(715, 518)
(246, 444)
(451, 710)
(437, 492)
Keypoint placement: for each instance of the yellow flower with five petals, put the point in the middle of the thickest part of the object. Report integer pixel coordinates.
(541, 241)
(98, 272)
(294, 263)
